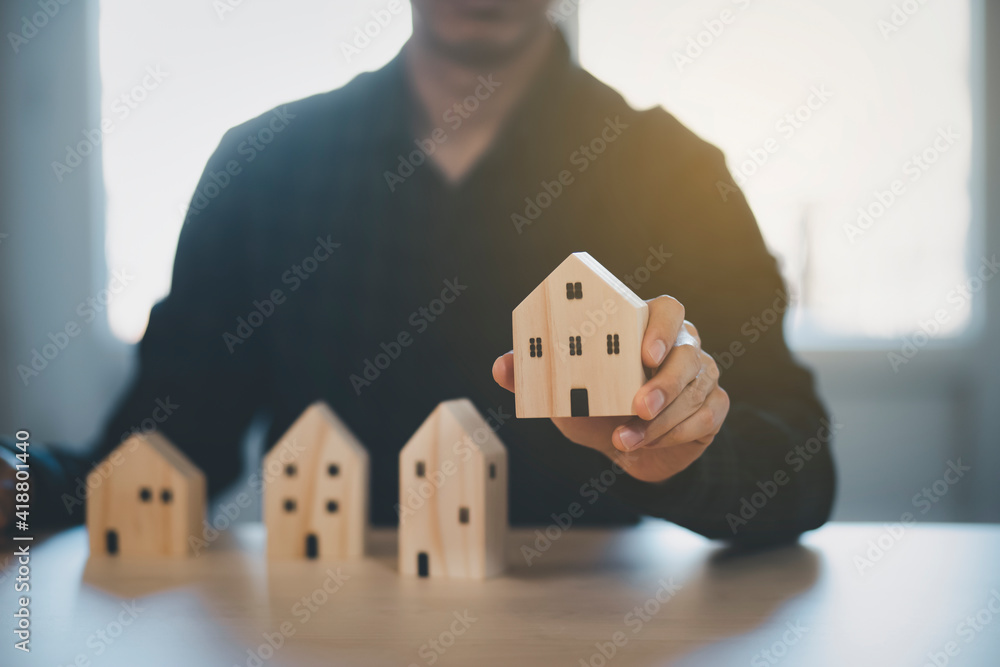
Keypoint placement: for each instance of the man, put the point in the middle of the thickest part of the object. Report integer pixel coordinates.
(367, 246)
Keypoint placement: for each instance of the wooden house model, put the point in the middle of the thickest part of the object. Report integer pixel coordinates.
(577, 344)
(316, 490)
(453, 496)
(146, 499)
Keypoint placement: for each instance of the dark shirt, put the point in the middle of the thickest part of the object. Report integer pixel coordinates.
(324, 257)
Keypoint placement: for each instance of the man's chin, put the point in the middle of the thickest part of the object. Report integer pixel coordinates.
(483, 50)
(478, 53)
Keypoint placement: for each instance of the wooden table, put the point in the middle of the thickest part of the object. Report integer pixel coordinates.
(651, 595)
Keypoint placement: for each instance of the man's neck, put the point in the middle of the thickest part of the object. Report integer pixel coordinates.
(443, 88)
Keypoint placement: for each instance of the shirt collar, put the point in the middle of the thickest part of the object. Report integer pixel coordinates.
(391, 110)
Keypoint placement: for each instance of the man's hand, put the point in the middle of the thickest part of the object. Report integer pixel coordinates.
(681, 408)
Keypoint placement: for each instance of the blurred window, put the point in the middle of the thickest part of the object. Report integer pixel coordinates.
(176, 75)
(848, 124)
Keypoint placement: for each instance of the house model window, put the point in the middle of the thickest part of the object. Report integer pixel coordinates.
(575, 350)
(535, 346)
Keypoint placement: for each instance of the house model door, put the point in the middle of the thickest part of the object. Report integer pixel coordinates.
(579, 404)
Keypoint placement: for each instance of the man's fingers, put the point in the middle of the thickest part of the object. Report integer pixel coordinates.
(503, 371)
(697, 402)
(690, 400)
(703, 425)
(681, 367)
(666, 317)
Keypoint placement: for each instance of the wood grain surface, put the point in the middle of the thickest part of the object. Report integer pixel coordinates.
(812, 604)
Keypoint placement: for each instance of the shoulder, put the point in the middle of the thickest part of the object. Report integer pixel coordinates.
(654, 141)
(313, 125)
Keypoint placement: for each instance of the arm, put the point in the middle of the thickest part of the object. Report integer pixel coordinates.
(774, 447)
(188, 385)
(729, 436)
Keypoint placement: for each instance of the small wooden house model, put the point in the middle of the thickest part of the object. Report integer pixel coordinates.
(453, 496)
(146, 499)
(577, 344)
(316, 490)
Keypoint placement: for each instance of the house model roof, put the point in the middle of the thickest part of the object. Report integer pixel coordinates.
(317, 421)
(585, 260)
(463, 413)
(159, 444)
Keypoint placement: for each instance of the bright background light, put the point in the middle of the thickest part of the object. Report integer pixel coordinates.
(890, 95)
(223, 70)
